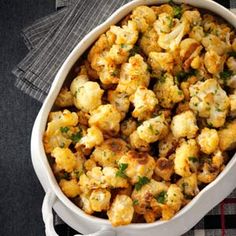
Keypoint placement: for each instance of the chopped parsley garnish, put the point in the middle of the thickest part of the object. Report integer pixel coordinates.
(76, 137)
(135, 202)
(114, 73)
(65, 175)
(193, 159)
(224, 75)
(134, 50)
(142, 181)
(64, 129)
(161, 197)
(162, 79)
(123, 45)
(78, 174)
(62, 145)
(122, 168)
(153, 131)
(232, 54)
(182, 76)
(177, 11)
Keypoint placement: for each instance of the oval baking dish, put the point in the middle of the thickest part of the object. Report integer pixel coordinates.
(186, 218)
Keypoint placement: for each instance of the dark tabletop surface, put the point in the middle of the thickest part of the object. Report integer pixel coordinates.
(21, 194)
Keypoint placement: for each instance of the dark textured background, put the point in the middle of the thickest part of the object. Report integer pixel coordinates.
(20, 192)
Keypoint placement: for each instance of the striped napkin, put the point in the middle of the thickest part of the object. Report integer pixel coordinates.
(50, 40)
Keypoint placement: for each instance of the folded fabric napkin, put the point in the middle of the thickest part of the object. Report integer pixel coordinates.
(50, 40)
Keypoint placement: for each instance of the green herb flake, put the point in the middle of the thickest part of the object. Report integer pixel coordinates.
(226, 74)
(161, 197)
(115, 73)
(182, 75)
(65, 175)
(135, 50)
(76, 137)
(123, 45)
(193, 159)
(232, 54)
(141, 182)
(122, 168)
(135, 202)
(64, 129)
(177, 11)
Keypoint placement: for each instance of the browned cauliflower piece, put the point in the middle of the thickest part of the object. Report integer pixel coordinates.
(209, 101)
(232, 100)
(207, 173)
(70, 187)
(164, 168)
(64, 98)
(128, 127)
(100, 200)
(137, 143)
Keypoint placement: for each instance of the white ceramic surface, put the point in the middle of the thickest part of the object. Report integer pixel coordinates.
(69, 212)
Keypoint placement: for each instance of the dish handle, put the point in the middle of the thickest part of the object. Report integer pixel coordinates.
(47, 206)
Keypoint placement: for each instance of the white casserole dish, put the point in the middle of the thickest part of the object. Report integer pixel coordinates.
(184, 220)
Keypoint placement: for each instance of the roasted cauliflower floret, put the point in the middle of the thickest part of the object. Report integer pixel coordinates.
(189, 185)
(161, 61)
(232, 100)
(128, 34)
(213, 62)
(133, 74)
(121, 211)
(100, 200)
(208, 140)
(93, 137)
(191, 19)
(87, 94)
(186, 153)
(227, 136)
(209, 101)
(207, 173)
(70, 187)
(64, 98)
(167, 145)
(139, 164)
(128, 127)
(137, 143)
(153, 129)
(231, 63)
(174, 197)
(164, 23)
(120, 53)
(167, 91)
(64, 158)
(143, 16)
(148, 41)
(144, 101)
(106, 117)
(164, 8)
(164, 168)
(184, 125)
(109, 152)
(197, 33)
(120, 101)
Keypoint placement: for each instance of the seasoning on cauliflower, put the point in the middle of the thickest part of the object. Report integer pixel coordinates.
(121, 211)
(64, 158)
(207, 173)
(84, 203)
(164, 168)
(208, 140)
(106, 118)
(209, 101)
(164, 23)
(144, 101)
(109, 152)
(70, 187)
(139, 164)
(133, 74)
(100, 200)
(120, 53)
(231, 63)
(87, 94)
(227, 136)
(153, 129)
(120, 101)
(184, 125)
(137, 143)
(186, 153)
(128, 127)
(232, 100)
(197, 33)
(143, 16)
(167, 91)
(174, 197)
(64, 98)
(93, 137)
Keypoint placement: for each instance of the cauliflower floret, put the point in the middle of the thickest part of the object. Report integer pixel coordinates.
(146, 194)
(144, 101)
(164, 23)
(197, 33)
(128, 127)
(208, 173)
(85, 203)
(100, 200)
(120, 101)
(112, 178)
(120, 53)
(139, 164)
(153, 129)
(189, 185)
(208, 140)
(87, 94)
(64, 98)
(167, 145)
(89, 164)
(133, 74)
(209, 101)
(64, 158)
(121, 211)
(93, 137)
(231, 63)
(148, 41)
(137, 143)
(191, 19)
(161, 61)
(213, 43)
(218, 159)
(143, 16)
(70, 187)
(187, 47)
(164, 168)
(213, 62)
(128, 34)
(174, 197)
(106, 117)
(184, 125)
(167, 91)
(187, 152)
(109, 152)
(232, 100)
(163, 8)
(227, 136)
